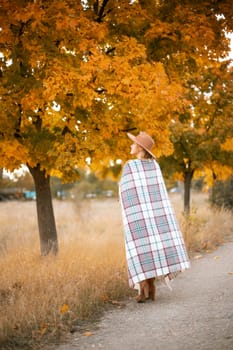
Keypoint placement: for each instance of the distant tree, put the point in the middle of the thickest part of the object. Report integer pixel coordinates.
(25, 181)
(199, 134)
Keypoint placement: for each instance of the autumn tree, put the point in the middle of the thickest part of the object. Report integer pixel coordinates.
(200, 133)
(189, 38)
(71, 85)
(76, 75)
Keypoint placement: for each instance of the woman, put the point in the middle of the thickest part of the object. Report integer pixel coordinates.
(154, 243)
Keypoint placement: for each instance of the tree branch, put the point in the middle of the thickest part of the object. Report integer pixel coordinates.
(96, 7)
(101, 11)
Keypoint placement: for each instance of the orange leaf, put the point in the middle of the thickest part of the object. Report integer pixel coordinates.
(64, 309)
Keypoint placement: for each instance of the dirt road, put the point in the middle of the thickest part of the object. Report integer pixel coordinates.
(196, 315)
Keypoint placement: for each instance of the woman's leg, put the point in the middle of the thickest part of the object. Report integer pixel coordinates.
(152, 288)
(144, 291)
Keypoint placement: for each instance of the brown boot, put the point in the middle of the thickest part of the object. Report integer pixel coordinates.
(152, 288)
(144, 292)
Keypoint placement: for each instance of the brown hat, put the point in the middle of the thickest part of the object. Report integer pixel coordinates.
(144, 140)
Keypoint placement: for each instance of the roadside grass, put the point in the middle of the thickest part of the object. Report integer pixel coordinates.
(43, 298)
(206, 227)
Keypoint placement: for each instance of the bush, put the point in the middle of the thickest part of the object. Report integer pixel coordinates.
(222, 194)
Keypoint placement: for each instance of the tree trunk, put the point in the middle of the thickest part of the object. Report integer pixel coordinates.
(188, 175)
(1, 173)
(45, 214)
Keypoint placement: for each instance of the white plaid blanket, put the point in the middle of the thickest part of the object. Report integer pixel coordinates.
(153, 241)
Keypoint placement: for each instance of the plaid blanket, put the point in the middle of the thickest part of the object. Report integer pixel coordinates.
(153, 241)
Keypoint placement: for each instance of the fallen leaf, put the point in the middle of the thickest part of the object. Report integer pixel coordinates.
(230, 273)
(216, 257)
(87, 334)
(64, 309)
(44, 328)
(104, 298)
(117, 303)
(198, 257)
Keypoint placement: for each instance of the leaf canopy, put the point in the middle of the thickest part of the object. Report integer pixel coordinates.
(77, 75)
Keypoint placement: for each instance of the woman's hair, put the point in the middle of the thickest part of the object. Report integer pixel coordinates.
(147, 155)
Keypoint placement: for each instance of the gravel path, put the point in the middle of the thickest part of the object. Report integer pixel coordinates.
(196, 315)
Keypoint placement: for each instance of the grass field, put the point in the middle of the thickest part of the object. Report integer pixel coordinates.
(43, 298)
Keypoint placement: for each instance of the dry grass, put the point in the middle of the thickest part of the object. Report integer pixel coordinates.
(45, 297)
(205, 228)
(41, 296)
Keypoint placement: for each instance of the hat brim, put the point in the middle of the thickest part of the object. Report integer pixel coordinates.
(134, 139)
